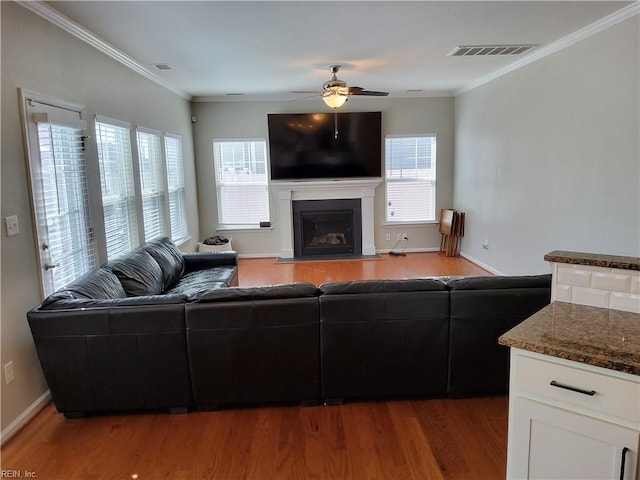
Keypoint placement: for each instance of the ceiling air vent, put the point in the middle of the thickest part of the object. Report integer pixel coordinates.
(482, 50)
(162, 66)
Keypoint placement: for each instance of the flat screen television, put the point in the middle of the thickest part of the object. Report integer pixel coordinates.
(303, 146)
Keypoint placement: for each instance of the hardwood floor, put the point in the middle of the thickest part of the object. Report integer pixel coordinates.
(395, 439)
(268, 271)
(406, 439)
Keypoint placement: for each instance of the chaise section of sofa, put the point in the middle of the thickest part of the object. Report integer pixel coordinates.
(114, 355)
(482, 309)
(115, 339)
(384, 338)
(254, 345)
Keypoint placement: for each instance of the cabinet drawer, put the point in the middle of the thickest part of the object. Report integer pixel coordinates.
(614, 396)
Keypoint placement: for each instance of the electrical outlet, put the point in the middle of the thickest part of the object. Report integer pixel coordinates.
(405, 236)
(8, 373)
(388, 237)
(399, 236)
(485, 244)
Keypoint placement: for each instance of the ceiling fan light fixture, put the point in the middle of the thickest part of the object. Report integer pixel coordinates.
(334, 100)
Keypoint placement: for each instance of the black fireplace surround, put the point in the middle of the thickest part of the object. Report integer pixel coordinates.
(327, 228)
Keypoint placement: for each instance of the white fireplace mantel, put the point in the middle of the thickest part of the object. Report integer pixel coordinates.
(286, 192)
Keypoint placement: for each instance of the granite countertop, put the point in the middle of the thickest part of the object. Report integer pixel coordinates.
(595, 336)
(594, 260)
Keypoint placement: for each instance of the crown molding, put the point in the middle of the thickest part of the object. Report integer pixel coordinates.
(577, 36)
(45, 11)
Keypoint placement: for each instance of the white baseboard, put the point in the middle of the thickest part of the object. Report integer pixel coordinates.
(407, 250)
(258, 255)
(378, 250)
(25, 417)
(480, 264)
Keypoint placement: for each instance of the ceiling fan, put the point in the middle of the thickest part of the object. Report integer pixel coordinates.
(335, 92)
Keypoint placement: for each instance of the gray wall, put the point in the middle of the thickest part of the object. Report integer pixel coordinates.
(40, 57)
(249, 120)
(547, 157)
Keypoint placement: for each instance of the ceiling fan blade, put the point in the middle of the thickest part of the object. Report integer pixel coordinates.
(371, 93)
(306, 91)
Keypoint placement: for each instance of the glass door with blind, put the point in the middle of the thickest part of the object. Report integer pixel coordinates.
(58, 180)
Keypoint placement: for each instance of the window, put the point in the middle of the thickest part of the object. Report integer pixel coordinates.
(151, 183)
(141, 192)
(175, 186)
(410, 178)
(241, 182)
(117, 186)
(152, 205)
(58, 177)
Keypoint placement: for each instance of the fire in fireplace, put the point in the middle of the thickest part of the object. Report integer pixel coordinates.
(327, 228)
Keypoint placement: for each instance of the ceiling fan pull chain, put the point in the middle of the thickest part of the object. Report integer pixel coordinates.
(335, 123)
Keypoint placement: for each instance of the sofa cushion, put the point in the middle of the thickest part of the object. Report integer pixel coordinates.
(139, 273)
(195, 284)
(382, 286)
(499, 282)
(169, 258)
(269, 292)
(100, 283)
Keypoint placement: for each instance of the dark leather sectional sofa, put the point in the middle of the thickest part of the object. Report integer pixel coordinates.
(161, 329)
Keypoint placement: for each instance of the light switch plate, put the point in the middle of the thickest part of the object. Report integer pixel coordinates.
(9, 376)
(12, 226)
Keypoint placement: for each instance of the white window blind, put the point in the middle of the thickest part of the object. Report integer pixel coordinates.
(152, 183)
(175, 186)
(62, 204)
(241, 182)
(118, 188)
(410, 178)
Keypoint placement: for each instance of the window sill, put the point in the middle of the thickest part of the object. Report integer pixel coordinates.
(409, 224)
(182, 241)
(243, 229)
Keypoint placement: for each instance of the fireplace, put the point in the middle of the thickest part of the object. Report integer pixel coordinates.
(327, 228)
(362, 190)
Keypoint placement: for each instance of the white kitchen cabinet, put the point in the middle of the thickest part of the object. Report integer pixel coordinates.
(568, 420)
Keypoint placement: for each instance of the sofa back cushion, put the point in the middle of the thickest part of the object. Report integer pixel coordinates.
(499, 282)
(382, 286)
(483, 309)
(269, 292)
(169, 258)
(100, 283)
(139, 273)
(384, 338)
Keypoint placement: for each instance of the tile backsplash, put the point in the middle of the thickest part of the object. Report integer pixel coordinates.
(597, 286)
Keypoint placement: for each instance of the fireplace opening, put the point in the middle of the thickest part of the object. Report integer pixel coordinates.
(327, 228)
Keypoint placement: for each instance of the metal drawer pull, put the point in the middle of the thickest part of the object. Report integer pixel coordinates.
(591, 393)
(624, 458)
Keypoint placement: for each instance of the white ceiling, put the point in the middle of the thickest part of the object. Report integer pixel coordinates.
(266, 49)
